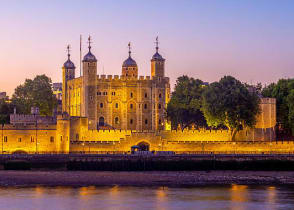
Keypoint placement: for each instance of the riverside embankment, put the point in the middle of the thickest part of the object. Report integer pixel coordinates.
(127, 162)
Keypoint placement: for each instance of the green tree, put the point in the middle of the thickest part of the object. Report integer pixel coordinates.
(229, 103)
(184, 107)
(283, 92)
(5, 110)
(37, 92)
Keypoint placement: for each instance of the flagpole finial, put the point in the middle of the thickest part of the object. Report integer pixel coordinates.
(129, 46)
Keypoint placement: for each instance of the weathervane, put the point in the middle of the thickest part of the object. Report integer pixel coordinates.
(157, 44)
(129, 45)
(89, 42)
(68, 51)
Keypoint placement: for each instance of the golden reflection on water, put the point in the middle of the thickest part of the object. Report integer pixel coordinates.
(161, 197)
(271, 196)
(239, 195)
(84, 191)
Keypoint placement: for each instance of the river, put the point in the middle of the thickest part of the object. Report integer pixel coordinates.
(129, 198)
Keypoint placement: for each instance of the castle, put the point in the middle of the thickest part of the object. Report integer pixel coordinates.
(119, 102)
(116, 113)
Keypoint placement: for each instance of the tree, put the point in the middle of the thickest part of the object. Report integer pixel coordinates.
(229, 103)
(5, 110)
(283, 91)
(37, 92)
(184, 107)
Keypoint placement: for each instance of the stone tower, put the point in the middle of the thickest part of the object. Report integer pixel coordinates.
(89, 87)
(157, 63)
(129, 67)
(68, 73)
(160, 90)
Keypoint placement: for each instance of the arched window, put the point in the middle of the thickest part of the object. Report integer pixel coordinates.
(146, 95)
(131, 95)
(145, 106)
(159, 95)
(146, 121)
(159, 106)
(116, 121)
(131, 106)
(131, 121)
(116, 105)
(101, 105)
(101, 121)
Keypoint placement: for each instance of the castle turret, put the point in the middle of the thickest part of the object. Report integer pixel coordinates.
(89, 87)
(129, 67)
(157, 63)
(68, 73)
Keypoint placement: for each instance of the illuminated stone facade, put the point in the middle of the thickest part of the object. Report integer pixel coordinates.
(125, 102)
(113, 113)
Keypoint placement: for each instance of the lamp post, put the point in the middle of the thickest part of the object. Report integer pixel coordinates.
(36, 136)
(2, 139)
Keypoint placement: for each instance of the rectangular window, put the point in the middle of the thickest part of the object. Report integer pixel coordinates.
(5, 138)
(19, 139)
(51, 139)
(32, 139)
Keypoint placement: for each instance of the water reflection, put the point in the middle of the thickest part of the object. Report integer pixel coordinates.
(118, 197)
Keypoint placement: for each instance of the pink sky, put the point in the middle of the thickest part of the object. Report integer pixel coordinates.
(252, 40)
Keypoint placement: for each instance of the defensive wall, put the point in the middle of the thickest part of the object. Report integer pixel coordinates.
(72, 134)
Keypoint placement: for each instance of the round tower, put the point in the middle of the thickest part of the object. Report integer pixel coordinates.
(157, 63)
(129, 67)
(68, 73)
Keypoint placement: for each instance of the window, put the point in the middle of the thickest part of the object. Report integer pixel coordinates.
(116, 105)
(131, 106)
(146, 95)
(91, 98)
(5, 138)
(131, 95)
(51, 139)
(101, 121)
(60, 138)
(131, 121)
(116, 121)
(32, 139)
(19, 139)
(145, 106)
(98, 93)
(146, 121)
(159, 95)
(113, 93)
(159, 106)
(101, 105)
(105, 93)
(77, 136)
(159, 121)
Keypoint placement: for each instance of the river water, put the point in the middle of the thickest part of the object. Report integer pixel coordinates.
(116, 197)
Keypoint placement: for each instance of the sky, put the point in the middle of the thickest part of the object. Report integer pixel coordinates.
(252, 40)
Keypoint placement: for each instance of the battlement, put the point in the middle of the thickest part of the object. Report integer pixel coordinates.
(122, 78)
(268, 101)
(31, 119)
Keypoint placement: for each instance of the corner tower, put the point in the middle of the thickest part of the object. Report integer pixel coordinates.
(129, 67)
(157, 63)
(89, 108)
(68, 73)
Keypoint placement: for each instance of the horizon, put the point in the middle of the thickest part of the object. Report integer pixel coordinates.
(251, 41)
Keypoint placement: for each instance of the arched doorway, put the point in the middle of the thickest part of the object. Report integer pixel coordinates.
(19, 152)
(144, 146)
(101, 121)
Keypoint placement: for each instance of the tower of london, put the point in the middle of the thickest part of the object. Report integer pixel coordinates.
(127, 101)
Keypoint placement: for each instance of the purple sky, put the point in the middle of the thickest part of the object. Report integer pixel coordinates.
(250, 40)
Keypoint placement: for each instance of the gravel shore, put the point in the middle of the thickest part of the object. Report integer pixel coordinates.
(156, 178)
